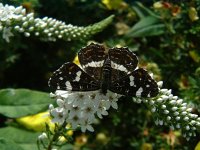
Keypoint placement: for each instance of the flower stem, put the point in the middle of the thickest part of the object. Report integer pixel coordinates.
(56, 135)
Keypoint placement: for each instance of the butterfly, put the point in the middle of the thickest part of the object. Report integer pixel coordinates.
(102, 69)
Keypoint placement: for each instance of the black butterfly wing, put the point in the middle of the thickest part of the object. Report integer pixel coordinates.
(92, 58)
(138, 84)
(123, 62)
(70, 77)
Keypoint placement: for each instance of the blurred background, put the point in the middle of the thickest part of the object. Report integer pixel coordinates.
(163, 34)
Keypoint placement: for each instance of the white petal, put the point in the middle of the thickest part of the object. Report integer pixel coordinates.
(60, 102)
(69, 100)
(99, 115)
(106, 104)
(91, 116)
(51, 107)
(114, 105)
(90, 128)
(62, 93)
(104, 113)
(75, 103)
(83, 128)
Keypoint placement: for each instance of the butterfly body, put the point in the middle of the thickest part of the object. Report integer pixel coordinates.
(114, 69)
(106, 76)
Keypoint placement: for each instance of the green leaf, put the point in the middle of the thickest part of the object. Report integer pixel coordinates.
(147, 21)
(142, 11)
(19, 135)
(7, 144)
(29, 146)
(23, 138)
(67, 147)
(148, 26)
(16, 103)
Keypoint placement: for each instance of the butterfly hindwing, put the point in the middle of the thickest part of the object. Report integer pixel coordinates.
(92, 58)
(138, 83)
(72, 78)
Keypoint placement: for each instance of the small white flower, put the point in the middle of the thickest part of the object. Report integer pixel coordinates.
(113, 98)
(151, 74)
(163, 91)
(176, 113)
(77, 98)
(164, 97)
(170, 96)
(18, 10)
(189, 109)
(51, 107)
(166, 112)
(27, 34)
(42, 136)
(160, 84)
(94, 98)
(101, 110)
(156, 121)
(60, 102)
(174, 108)
(63, 104)
(163, 106)
(75, 111)
(186, 118)
(159, 100)
(178, 126)
(86, 125)
(179, 101)
(62, 93)
(184, 113)
(161, 122)
(184, 110)
(151, 102)
(194, 116)
(88, 111)
(105, 103)
(187, 127)
(172, 102)
(175, 97)
(153, 109)
(58, 115)
(169, 118)
(7, 34)
(52, 95)
(194, 128)
(75, 120)
(101, 96)
(184, 104)
(169, 92)
(193, 122)
(172, 127)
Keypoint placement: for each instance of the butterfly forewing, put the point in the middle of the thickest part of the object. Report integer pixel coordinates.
(123, 62)
(72, 78)
(92, 58)
(138, 83)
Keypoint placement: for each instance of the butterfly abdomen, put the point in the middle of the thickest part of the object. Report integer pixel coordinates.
(106, 76)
